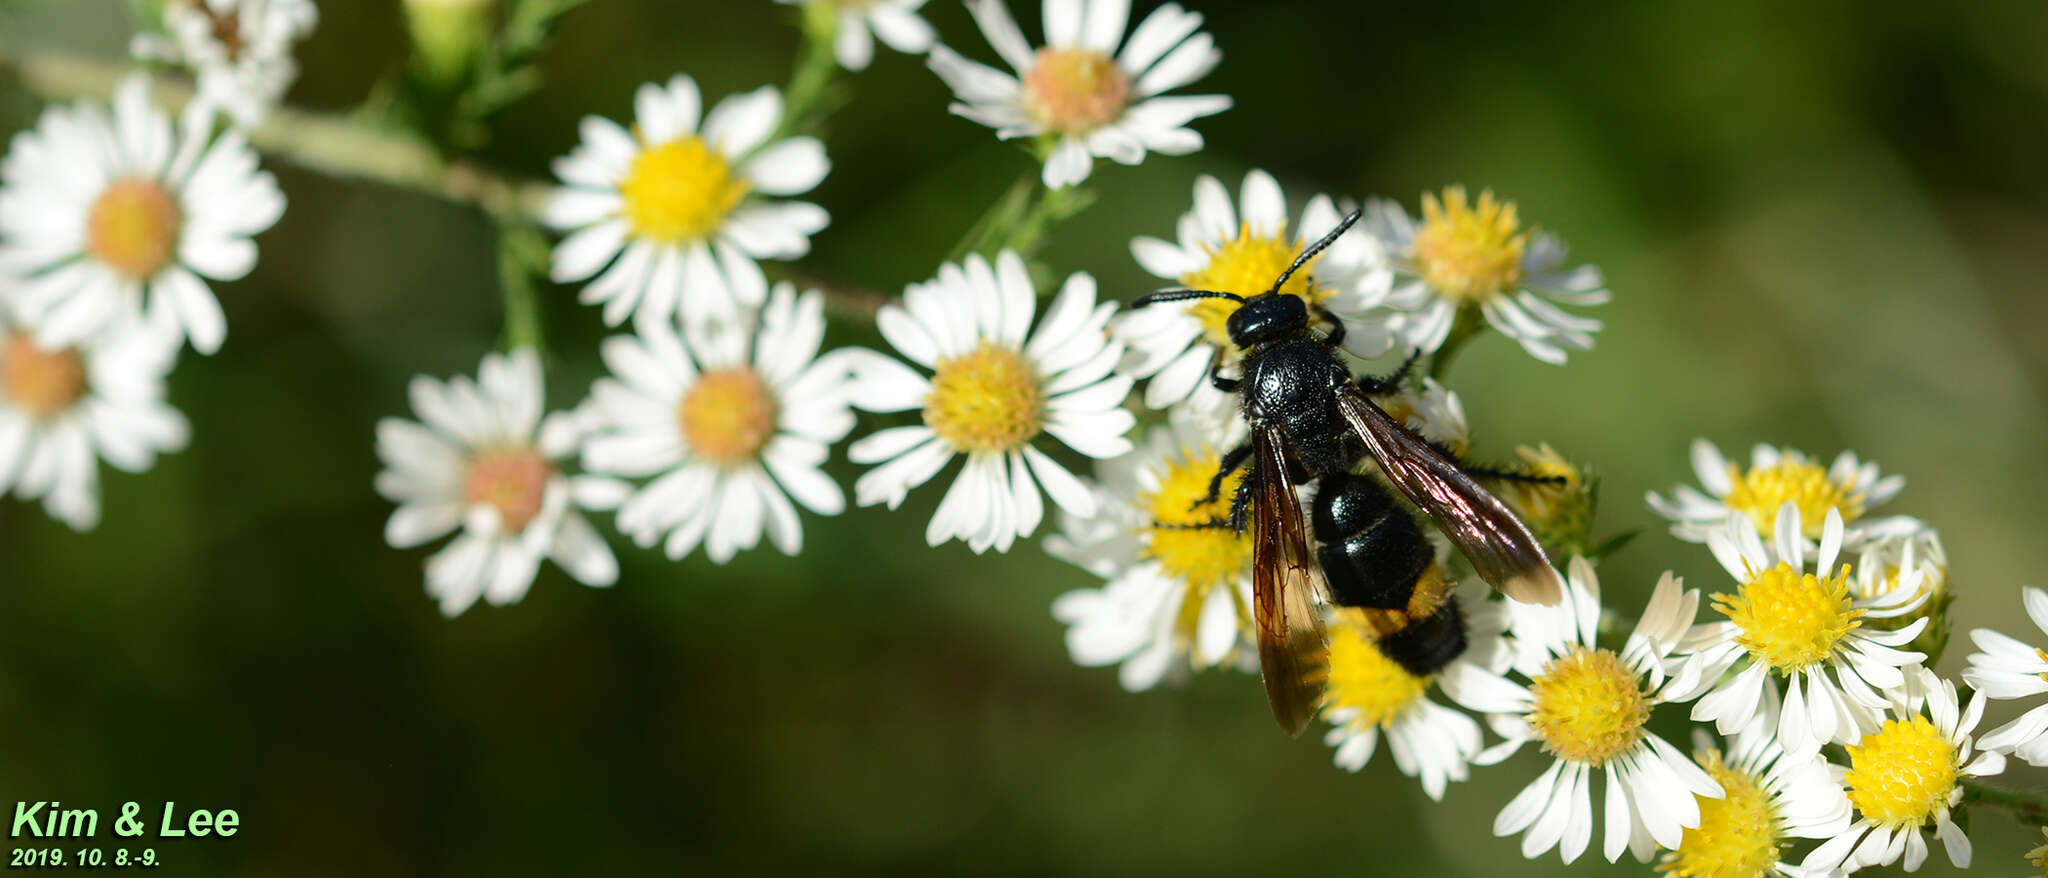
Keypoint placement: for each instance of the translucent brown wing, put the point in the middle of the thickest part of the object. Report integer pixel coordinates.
(1500, 546)
(1283, 590)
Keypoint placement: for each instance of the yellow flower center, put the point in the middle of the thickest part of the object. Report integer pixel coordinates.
(680, 191)
(1202, 557)
(1363, 678)
(1469, 254)
(1247, 265)
(727, 415)
(1589, 706)
(2038, 857)
(133, 227)
(985, 400)
(1075, 90)
(1738, 833)
(1760, 492)
(1903, 774)
(37, 381)
(1790, 620)
(511, 480)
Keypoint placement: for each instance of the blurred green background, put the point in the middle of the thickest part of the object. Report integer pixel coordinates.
(1826, 225)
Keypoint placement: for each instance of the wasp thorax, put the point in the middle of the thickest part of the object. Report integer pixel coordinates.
(40, 382)
(1072, 90)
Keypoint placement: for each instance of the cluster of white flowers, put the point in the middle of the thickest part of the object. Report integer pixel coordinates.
(115, 218)
(1806, 675)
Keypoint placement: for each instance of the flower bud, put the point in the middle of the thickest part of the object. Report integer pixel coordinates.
(1555, 497)
(447, 36)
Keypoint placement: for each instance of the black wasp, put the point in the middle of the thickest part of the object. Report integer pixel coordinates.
(1312, 421)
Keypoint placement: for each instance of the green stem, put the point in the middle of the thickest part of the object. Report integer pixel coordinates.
(522, 260)
(1052, 207)
(2031, 807)
(809, 96)
(1466, 325)
(995, 224)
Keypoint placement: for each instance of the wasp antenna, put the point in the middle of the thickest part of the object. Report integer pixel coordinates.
(1180, 295)
(1317, 247)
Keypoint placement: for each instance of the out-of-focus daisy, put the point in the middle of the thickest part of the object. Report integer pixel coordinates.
(240, 51)
(1368, 695)
(2004, 667)
(1777, 476)
(679, 211)
(1241, 250)
(482, 460)
(1589, 707)
(1179, 587)
(857, 24)
(63, 409)
(1905, 776)
(1078, 93)
(1768, 799)
(1804, 627)
(104, 214)
(731, 426)
(991, 397)
(1466, 257)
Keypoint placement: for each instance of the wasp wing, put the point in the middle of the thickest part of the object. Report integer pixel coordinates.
(1500, 546)
(1283, 589)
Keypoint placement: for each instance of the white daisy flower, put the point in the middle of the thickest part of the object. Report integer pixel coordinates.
(731, 427)
(991, 398)
(857, 24)
(1589, 707)
(63, 409)
(1078, 92)
(1369, 695)
(681, 212)
(1905, 777)
(481, 459)
(1179, 587)
(102, 215)
(1465, 257)
(1218, 248)
(240, 51)
(2004, 668)
(1784, 622)
(1777, 476)
(1768, 799)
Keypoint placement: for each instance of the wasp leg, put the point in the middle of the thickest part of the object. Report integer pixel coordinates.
(1382, 385)
(1335, 337)
(1508, 475)
(1216, 379)
(1211, 524)
(1232, 459)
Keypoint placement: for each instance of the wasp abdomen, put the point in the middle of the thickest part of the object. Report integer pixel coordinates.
(1425, 646)
(1372, 551)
